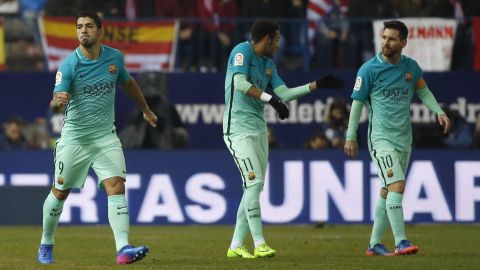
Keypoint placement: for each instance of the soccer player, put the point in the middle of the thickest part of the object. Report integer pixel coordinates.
(250, 73)
(85, 84)
(386, 84)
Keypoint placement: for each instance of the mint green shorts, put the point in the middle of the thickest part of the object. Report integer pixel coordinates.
(72, 162)
(391, 164)
(250, 153)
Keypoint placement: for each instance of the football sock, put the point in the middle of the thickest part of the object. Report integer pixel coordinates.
(52, 208)
(380, 222)
(119, 219)
(253, 213)
(395, 215)
(241, 226)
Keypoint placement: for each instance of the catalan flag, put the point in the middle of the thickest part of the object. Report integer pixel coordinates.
(146, 45)
(2, 46)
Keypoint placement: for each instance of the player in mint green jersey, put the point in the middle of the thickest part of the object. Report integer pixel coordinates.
(386, 85)
(250, 73)
(85, 84)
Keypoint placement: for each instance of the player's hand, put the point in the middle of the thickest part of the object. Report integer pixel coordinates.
(61, 99)
(150, 117)
(280, 107)
(329, 82)
(351, 148)
(444, 121)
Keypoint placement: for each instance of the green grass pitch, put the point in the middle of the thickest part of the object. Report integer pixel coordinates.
(442, 246)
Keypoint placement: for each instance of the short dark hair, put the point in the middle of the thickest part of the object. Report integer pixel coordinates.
(15, 119)
(92, 15)
(263, 28)
(397, 25)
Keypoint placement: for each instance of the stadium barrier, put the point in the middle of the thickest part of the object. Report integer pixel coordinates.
(199, 100)
(204, 187)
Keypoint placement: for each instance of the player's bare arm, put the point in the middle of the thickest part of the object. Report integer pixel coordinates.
(351, 148)
(444, 121)
(132, 90)
(59, 100)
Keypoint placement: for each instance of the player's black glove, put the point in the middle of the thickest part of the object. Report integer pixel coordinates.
(280, 107)
(329, 82)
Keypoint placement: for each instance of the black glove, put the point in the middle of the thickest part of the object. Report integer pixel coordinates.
(280, 107)
(329, 82)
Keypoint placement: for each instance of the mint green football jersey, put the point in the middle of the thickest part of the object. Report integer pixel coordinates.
(90, 113)
(387, 90)
(244, 114)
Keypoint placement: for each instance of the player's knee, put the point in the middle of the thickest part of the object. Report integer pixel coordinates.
(60, 194)
(114, 186)
(398, 186)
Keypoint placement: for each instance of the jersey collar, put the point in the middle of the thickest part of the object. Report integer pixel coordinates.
(80, 55)
(382, 60)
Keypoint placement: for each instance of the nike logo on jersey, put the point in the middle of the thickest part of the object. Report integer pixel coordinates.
(253, 209)
(121, 207)
(124, 171)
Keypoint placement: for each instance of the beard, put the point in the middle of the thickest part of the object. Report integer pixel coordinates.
(87, 43)
(388, 52)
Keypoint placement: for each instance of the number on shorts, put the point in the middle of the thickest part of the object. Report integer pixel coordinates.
(60, 167)
(387, 161)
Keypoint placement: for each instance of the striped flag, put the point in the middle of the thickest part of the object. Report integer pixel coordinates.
(2, 46)
(146, 46)
(316, 10)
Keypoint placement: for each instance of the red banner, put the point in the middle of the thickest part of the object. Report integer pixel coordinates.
(476, 43)
(145, 45)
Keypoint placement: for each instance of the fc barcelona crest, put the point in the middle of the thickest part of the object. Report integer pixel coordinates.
(60, 180)
(268, 73)
(251, 176)
(409, 76)
(112, 69)
(390, 173)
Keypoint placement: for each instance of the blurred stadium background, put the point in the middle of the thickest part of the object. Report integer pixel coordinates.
(181, 173)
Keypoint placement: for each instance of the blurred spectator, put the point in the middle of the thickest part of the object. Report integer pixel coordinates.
(71, 8)
(185, 10)
(214, 36)
(31, 8)
(113, 9)
(330, 41)
(13, 137)
(460, 135)
(336, 123)
(428, 136)
(318, 141)
(169, 133)
(442, 8)
(37, 134)
(255, 9)
(471, 8)
(273, 142)
(361, 13)
(414, 8)
(476, 133)
(295, 33)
